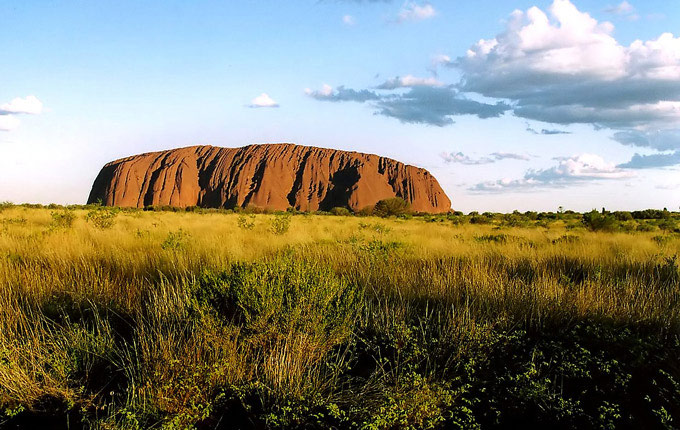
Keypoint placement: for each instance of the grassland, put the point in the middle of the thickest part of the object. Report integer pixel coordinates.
(143, 319)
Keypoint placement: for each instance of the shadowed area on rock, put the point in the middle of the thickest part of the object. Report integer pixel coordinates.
(272, 176)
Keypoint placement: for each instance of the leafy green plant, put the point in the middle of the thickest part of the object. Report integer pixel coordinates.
(597, 221)
(391, 207)
(246, 222)
(340, 211)
(280, 224)
(175, 240)
(62, 219)
(102, 218)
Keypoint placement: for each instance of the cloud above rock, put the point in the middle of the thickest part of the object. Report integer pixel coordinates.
(575, 170)
(565, 67)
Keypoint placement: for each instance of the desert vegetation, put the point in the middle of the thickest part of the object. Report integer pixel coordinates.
(167, 318)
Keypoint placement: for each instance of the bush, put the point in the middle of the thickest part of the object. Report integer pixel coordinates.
(283, 295)
(175, 240)
(62, 219)
(5, 205)
(596, 221)
(480, 219)
(340, 211)
(393, 206)
(246, 223)
(365, 211)
(280, 224)
(103, 218)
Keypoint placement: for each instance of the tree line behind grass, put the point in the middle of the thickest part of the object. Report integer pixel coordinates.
(603, 220)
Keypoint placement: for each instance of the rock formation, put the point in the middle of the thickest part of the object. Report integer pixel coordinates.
(274, 176)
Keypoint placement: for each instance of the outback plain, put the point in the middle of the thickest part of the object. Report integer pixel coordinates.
(166, 318)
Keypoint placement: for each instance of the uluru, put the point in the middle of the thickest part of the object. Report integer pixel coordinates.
(273, 176)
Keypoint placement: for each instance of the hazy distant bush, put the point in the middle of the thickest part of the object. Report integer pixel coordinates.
(340, 211)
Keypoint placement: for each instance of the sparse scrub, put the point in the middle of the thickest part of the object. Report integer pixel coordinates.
(361, 323)
(102, 218)
(175, 240)
(280, 224)
(246, 222)
(391, 207)
(62, 219)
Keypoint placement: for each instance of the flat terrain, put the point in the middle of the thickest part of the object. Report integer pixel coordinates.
(206, 319)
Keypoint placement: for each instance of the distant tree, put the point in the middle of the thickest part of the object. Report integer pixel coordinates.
(394, 206)
(599, 222)
(340, 211)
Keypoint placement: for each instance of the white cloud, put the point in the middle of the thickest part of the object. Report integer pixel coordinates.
(29, 105)
(574, 170)
(566, 67)
(263, 101)
(412, 11)
(409, 81)
(348, 20)
(8, 122)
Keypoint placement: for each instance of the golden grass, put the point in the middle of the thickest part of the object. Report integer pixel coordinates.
(59, 288)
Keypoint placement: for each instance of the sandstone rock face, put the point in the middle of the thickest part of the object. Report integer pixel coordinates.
(274, 176)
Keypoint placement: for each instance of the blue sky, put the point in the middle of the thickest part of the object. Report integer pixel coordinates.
(511, 105)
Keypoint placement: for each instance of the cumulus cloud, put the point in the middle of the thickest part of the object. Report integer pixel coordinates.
(573, 170)
(263, 101)
(19, 106)
(661, 140)
(559, 66)
(566, 67)
(407, 82)
(652, 161)
(412, 11)
(459, 157)
(29, 105)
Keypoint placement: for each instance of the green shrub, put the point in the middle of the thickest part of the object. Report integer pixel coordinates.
(62, 219)
(365, 211)
(175, 240)
(280, 224)
(480, 219)
(393, 206)
(340, 211)
(597, 221)
(282, 295)
(246, 223)
(6, 205)
(102, 218)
